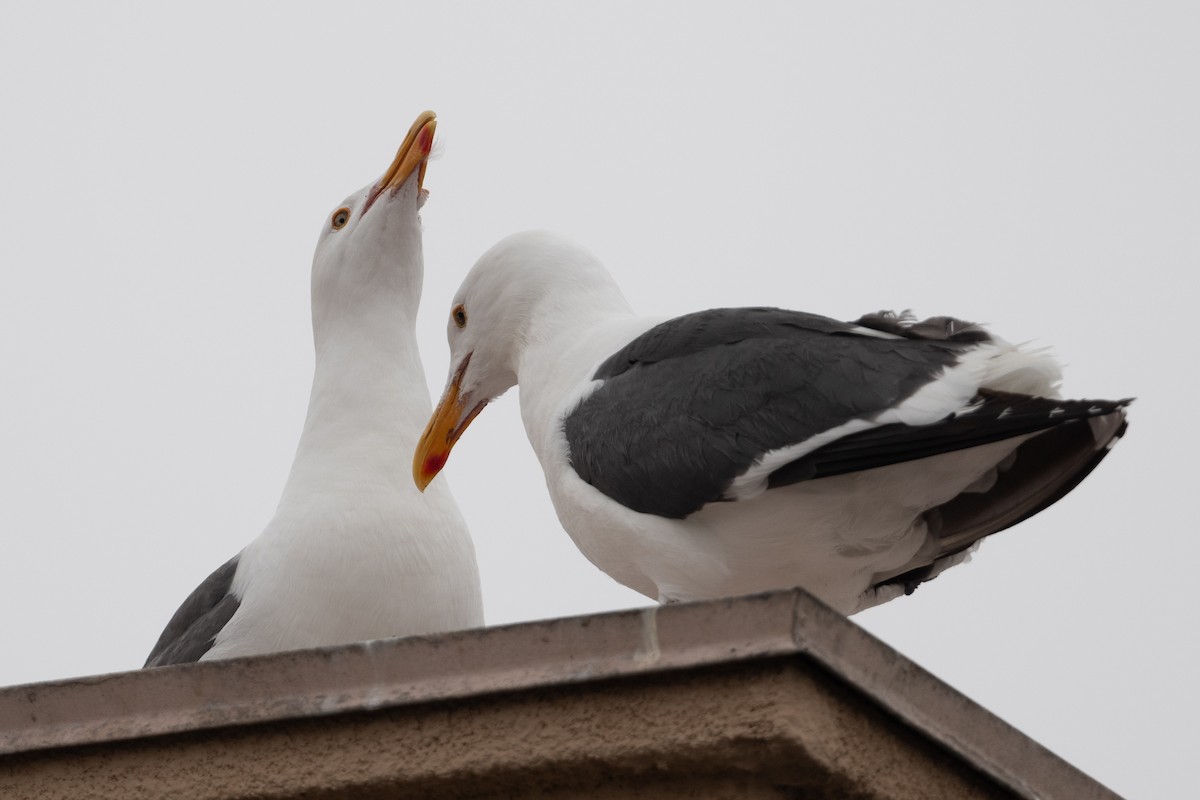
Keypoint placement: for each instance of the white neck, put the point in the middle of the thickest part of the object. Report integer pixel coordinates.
(368, 404)
(565, 344)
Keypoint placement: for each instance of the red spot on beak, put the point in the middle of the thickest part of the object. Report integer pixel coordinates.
(425, 140)
(435, 462)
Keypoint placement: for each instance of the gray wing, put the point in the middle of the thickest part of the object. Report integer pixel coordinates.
(692, 403)
(192, 629)
(996, 416)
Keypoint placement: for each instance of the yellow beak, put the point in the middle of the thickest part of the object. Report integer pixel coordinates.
(413, 154)
(443, 430)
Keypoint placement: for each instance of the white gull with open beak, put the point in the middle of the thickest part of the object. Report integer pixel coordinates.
(354, 551)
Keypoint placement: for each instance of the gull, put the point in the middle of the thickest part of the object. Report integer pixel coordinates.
(354, 551)
(739, 450)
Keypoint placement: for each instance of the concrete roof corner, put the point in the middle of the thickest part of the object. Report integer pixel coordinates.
(773, 695)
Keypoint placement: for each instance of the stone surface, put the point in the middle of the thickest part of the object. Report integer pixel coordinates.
(773, 696)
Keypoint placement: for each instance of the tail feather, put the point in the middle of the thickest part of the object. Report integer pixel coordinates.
(1046, 467)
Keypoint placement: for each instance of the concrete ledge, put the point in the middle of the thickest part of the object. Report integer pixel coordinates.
(766, 696)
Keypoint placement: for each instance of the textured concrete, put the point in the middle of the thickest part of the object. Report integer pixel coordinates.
(764, 697)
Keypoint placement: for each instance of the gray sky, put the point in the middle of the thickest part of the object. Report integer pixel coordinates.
(164, 173)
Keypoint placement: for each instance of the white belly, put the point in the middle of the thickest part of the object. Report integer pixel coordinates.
(829, 536)
(324, 579)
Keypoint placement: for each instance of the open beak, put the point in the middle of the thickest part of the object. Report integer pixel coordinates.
(448, 422)
(412, 155)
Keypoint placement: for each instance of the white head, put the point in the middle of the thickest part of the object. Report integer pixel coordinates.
(522, 281)
(368, 266)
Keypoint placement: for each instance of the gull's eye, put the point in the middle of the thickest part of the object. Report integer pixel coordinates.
(340, 218)
(459, 315)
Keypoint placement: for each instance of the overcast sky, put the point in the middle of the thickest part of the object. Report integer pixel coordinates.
(164, 174)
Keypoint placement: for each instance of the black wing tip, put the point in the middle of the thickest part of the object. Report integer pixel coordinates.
(935, 329)
(1062, 439)
(997, 416)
